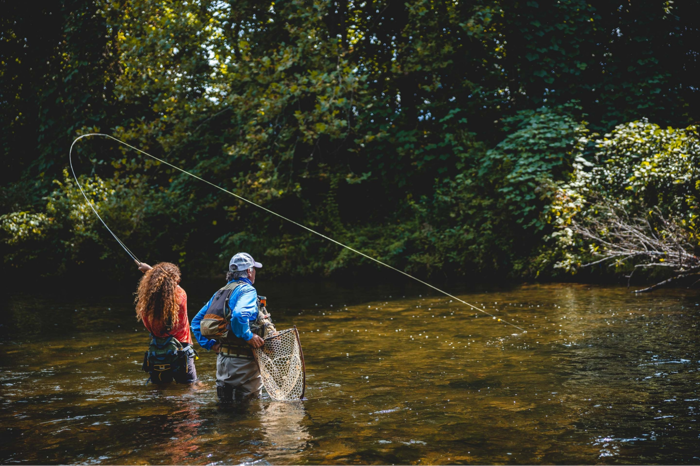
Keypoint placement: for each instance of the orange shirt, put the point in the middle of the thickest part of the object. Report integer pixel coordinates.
(182, 330)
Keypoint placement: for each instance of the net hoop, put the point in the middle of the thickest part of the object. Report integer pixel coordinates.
(282, 366)
(303, 363)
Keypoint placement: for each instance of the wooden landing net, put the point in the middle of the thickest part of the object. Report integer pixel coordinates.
(281, 363)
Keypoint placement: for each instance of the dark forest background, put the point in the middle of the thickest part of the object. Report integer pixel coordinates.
(449, 139)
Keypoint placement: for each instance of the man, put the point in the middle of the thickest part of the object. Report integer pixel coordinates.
(237, 373)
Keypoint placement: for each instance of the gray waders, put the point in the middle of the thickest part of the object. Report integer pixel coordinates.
(237, 378)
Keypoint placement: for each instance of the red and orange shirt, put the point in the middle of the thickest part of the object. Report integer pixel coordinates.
(182, 330)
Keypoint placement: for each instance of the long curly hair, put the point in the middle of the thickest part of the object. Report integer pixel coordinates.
(157, 298)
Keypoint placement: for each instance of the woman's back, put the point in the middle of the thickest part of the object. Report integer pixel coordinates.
(162, 307)
(181, 330)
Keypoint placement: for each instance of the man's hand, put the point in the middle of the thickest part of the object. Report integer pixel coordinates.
(256, 342)
(216, 348)
(143, 267)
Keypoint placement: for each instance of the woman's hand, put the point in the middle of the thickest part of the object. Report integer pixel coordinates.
(143, 267)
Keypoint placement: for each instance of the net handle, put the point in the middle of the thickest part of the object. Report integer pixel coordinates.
(303, 364)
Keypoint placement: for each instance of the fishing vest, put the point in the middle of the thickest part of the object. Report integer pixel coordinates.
(216, 323)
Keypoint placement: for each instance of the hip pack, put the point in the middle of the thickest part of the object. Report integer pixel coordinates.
(165, 358)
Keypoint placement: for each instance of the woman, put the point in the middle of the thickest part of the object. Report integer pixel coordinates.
(162, 307)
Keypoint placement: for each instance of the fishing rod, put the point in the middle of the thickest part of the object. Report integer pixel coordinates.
(133, 256)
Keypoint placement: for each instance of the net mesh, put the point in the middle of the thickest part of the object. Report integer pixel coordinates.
(281, 363)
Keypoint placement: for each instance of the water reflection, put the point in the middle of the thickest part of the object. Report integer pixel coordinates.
(284, 431)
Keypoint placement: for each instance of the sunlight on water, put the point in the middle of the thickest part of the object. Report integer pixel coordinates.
(601, 375)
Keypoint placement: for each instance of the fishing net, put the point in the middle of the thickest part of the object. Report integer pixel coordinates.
(281, 363)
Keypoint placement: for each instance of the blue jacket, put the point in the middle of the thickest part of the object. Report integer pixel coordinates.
(244, 306)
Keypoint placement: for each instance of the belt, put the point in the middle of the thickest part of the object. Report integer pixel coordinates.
(235, 351)
(235, 355)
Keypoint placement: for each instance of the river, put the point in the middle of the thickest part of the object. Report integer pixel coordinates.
(395, 374)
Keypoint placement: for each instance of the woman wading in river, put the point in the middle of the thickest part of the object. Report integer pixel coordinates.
(162, 307)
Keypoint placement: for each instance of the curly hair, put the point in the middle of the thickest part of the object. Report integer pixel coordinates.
(157, 298)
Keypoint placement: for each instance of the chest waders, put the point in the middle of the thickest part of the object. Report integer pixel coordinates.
(216, 325)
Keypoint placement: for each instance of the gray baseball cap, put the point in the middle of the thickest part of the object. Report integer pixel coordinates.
(242, 261)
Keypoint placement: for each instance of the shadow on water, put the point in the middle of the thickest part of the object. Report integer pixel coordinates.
(394, 375)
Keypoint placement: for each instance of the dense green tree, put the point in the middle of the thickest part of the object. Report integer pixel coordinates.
(622, 60)
(59, 66)
(649, 63)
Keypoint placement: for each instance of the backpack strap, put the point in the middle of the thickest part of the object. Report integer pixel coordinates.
(229, 292)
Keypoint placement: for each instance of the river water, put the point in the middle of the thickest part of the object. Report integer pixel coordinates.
(394, 375)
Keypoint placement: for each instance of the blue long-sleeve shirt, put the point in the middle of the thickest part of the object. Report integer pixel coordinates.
(243, 304)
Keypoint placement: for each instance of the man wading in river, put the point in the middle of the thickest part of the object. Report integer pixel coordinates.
(224, 325)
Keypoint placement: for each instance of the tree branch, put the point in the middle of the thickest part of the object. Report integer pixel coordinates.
(647, 241)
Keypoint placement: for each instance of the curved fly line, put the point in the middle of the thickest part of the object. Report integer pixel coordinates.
(133, 256)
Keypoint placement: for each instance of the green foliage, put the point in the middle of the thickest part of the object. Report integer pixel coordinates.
(489, 218)
(22, 227)
(526, 166)
(57, 76)
(640, 167)
(67, 233)
(65, 225)
(623, 61)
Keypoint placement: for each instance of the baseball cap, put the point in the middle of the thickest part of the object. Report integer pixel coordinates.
(242, 261)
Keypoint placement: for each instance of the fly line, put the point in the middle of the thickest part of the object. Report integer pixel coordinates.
(133, 256)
